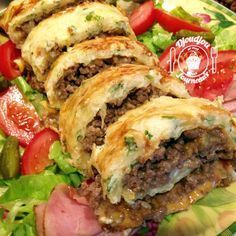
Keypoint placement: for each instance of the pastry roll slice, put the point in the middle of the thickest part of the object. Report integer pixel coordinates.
(89, 58)
(21, 16)
(64, 29)
(99, 101)
(151, 148)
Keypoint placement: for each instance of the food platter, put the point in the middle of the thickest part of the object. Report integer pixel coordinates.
(120, 123)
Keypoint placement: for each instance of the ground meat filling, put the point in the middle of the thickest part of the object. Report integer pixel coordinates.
(191, 150)
(95, 132)
(75, 75)
(153, 208)
(27, 26)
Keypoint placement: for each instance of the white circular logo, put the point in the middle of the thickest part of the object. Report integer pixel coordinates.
(195, 58)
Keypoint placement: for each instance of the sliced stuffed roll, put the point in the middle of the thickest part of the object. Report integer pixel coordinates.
(101, 100)
(160, 158)
(89, 58)
(21, 16)
(64, 29)
(152, 147)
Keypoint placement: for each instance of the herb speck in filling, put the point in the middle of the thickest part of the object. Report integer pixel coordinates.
(149, 135)
(116, 87)
(92, 16)
(131, 144)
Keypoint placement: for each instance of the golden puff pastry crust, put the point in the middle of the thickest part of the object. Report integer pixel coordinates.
(64, 29)
(164, 118)
(97, 49)
(94, 94)
(21, 16)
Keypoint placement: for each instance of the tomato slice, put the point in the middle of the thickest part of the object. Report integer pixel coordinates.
(17, 117)
(9, 53)
(142, 18)
(35, 158)
(215, 85)
(175, 24)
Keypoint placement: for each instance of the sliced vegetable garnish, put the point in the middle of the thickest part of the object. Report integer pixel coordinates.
(18, 117)
(175, 24)
(36, 155)
(9, 53)
(10, 158)
(142, 18)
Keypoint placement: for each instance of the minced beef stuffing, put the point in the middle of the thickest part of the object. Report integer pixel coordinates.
(126, 216)
(191, 150)
(76, 74)
(95, 132)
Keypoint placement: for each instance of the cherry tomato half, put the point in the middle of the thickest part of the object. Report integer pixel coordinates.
(175, 24)
(9, 53)
(143, 17)
(35, 158)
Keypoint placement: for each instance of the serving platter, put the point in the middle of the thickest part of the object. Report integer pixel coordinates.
(216, 212)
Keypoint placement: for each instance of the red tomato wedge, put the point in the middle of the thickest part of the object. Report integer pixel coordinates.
(17, 117)
(142, 18)
(175, 24)
(9, 53)
(35, 158)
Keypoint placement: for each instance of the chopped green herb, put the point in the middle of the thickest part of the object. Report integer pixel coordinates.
(149, 136)
(234, 138)
(79, 137)
(210, 120)
(131, 144)
(169, 117)
(116, 87)
(92, 16)
(150, 77)
(110, 183)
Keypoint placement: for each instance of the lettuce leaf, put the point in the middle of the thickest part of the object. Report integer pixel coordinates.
(62, 161)
(20, 197)
(32, 187)
(157, 39)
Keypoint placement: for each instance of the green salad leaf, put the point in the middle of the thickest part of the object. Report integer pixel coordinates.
(32, 186)
(62, 161)
(157, 39)
(225, 39)
(19, 198)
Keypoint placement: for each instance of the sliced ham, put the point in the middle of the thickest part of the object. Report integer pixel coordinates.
(40, 213)
(66, 214)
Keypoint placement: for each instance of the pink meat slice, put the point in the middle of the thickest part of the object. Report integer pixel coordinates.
(39, 217)
(66, 216)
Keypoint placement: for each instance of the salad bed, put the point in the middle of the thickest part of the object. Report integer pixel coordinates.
(32, 160)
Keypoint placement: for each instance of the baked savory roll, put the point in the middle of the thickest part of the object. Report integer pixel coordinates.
(89, 58)
(64, 29)
(160, 158)
(99, 102)
(21, 16)
(181, 133)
